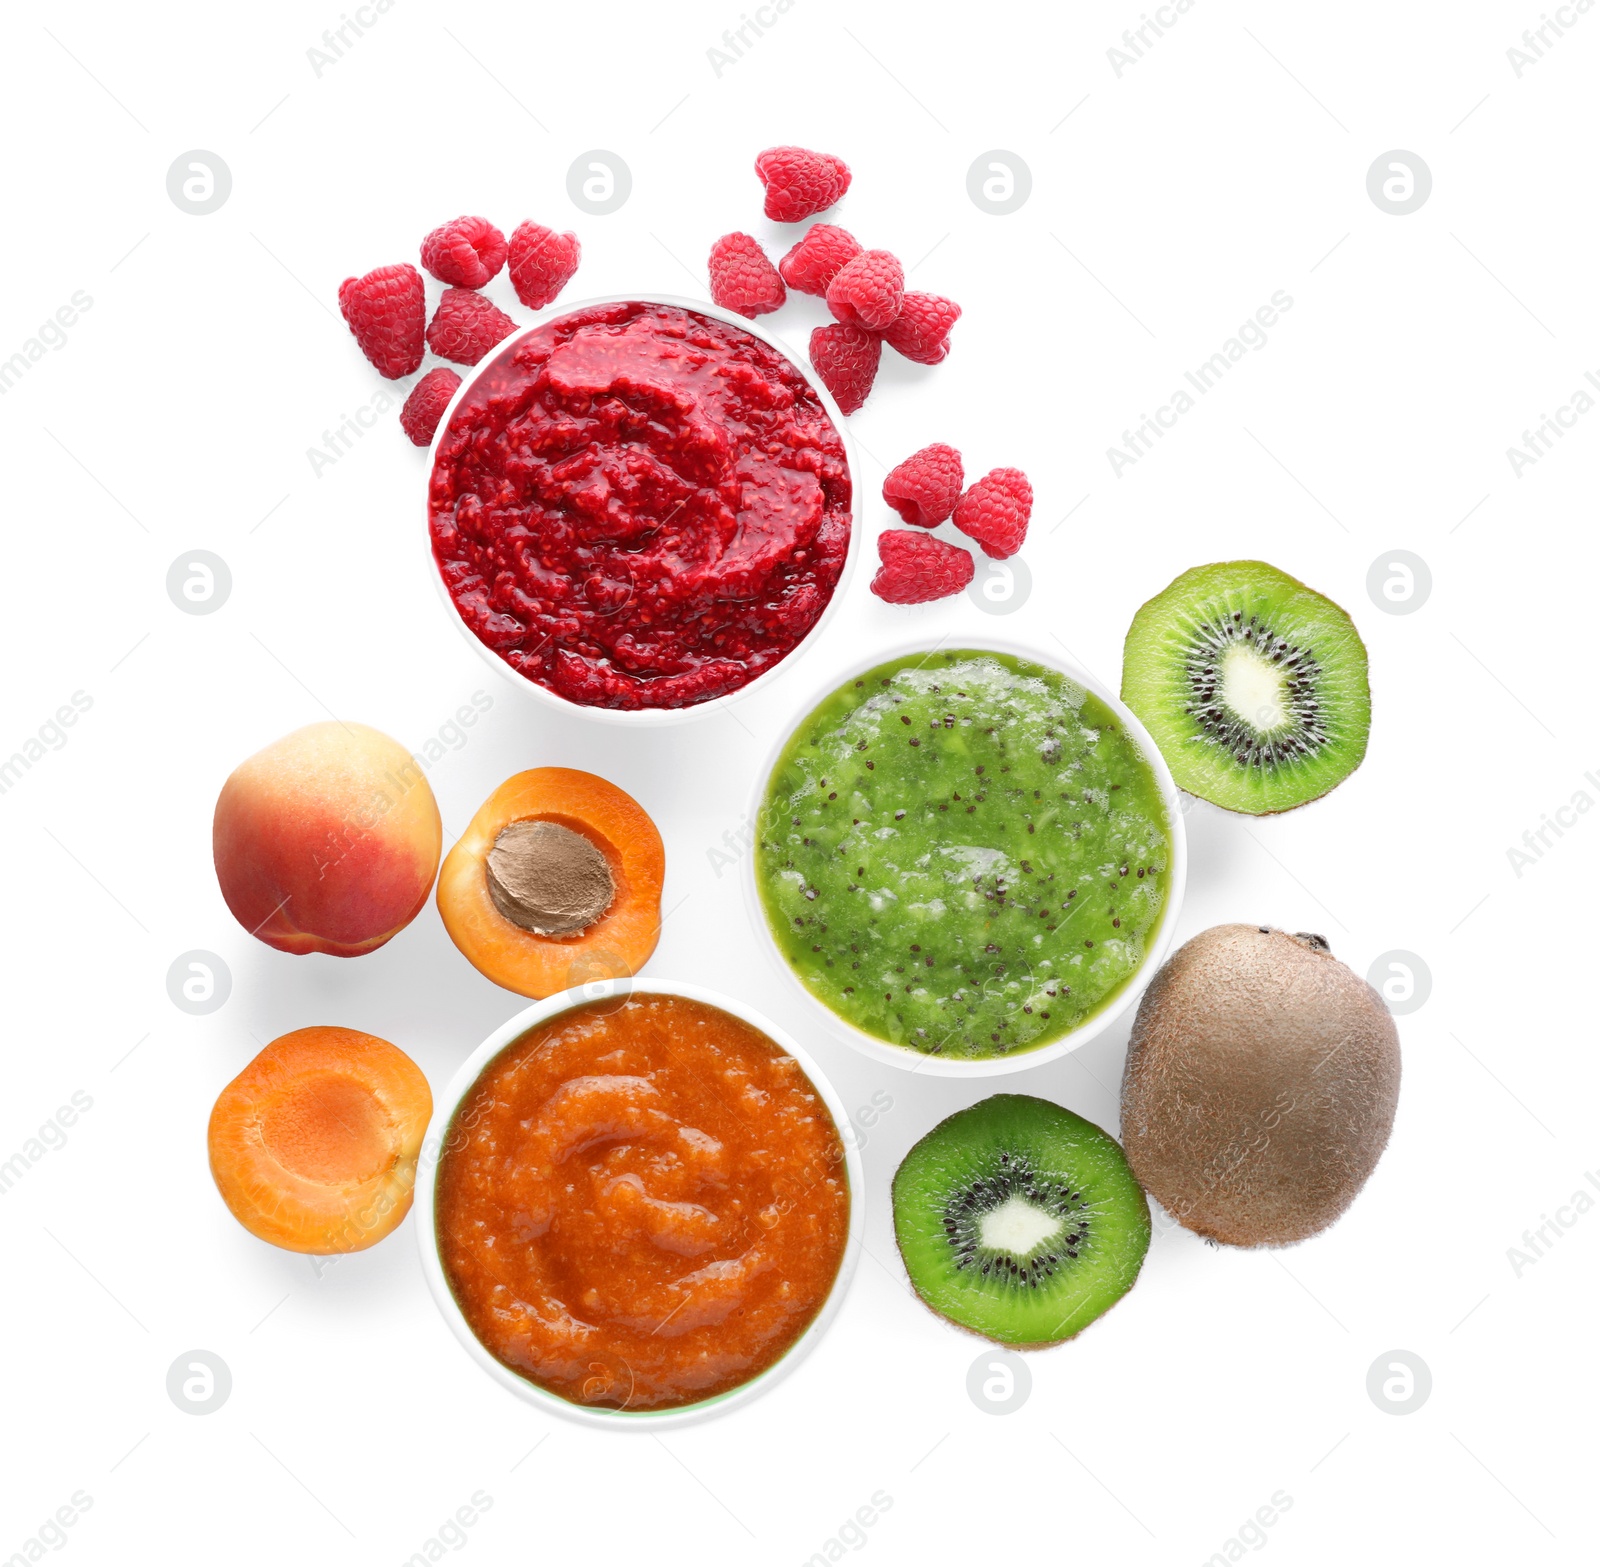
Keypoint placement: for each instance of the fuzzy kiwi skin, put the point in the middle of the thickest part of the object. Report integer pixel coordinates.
(1260, 1087)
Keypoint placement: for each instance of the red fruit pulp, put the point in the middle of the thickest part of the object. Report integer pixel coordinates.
(639, 507)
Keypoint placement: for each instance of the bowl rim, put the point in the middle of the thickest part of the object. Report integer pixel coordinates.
(461, 1084)
(650, 717)
(904, 1057)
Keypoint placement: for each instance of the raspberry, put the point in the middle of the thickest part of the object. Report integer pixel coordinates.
(994, 512)
(813, 261)
(465, 253)
(387, 312)
(846, 359)
(800, 183)
(426, 405)
(918, 568)
(466, 326)
(921, 332)
(867, 290)
(542, 263)
(925, 487)
(742, 278)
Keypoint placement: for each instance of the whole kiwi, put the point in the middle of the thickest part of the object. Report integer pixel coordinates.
(1260, 1087)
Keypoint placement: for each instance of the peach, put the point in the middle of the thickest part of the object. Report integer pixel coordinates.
(327, 841)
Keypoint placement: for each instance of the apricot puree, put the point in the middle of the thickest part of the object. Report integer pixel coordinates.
(641, 1205)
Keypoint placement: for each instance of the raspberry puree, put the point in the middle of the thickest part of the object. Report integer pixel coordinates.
(637, 506)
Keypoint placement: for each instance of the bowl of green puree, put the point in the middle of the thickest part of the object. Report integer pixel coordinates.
(968, 860)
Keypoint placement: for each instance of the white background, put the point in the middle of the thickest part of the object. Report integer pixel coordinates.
(1167, 205)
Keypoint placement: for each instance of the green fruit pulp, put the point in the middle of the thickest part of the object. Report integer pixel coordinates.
(963, 853)
(1019, 1220)
(1253, 685)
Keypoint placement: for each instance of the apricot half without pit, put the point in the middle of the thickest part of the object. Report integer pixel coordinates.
(314, 1145)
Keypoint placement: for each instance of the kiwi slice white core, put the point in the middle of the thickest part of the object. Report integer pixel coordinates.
(1253, 689)
(1016, 1226)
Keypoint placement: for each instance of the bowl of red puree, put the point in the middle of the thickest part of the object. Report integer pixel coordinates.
(641, 509)
(636, 1206)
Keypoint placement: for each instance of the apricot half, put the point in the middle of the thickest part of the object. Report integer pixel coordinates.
(314, 1145)
(327, 840)
(556, 881)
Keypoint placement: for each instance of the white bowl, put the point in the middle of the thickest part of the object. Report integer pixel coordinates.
(648, 717)
(427, 1233)
(904, 1056)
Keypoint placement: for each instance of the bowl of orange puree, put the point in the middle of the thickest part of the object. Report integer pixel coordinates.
(636, 1207)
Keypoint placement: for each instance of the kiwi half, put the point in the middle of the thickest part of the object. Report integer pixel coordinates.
(1019, 1220)
(1253, 685)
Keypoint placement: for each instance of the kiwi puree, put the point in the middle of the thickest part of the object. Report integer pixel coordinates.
(963, 853)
